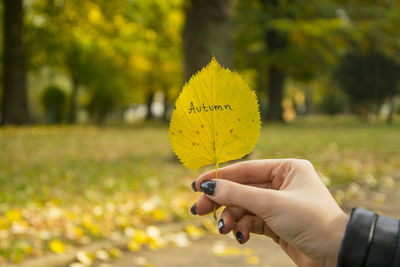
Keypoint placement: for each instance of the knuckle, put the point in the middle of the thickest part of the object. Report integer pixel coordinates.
(301, 163)
(230, 191)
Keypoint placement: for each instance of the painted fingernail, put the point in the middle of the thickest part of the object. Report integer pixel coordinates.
(239, 237)
(220, 225)
(193, 209)
(194, 186)
(208, 187)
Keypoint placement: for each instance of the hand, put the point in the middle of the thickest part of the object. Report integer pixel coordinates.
(283, 199)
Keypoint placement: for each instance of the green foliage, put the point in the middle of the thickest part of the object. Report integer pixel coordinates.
(126, 47)
(333, 102)
(368, 79)
(103, 100)
(134, 48)
(54, 102)
(311, 29)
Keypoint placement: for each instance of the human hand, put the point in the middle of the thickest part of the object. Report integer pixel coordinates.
(283, 199)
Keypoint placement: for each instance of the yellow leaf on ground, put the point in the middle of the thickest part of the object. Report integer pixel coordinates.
(84, 257)
(194, 232)
(253, 260)
(115, 253)
(159, 214)
(210, 226)
(57, 246)
(140, 236)
(14, 215)
(134, 246)
(221, 250)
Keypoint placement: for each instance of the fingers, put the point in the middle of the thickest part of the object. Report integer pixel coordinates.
(228, 219)
(242, 224)
(226, 193)
(204, 206)
(252, 224)
(253, 171)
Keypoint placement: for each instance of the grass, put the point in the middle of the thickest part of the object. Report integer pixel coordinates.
(65, 163)
(78, 169)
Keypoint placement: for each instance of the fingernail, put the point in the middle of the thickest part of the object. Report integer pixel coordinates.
(193, 209)
(208, 187)
(239, 237)
(194, 186)
(220, 225)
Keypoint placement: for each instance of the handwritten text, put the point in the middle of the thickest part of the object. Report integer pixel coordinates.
(207, 108)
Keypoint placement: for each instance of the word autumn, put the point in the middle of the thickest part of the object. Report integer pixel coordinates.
(206, 108)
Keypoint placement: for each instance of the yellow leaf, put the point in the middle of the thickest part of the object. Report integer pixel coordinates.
(14, 215)
(115, 253)
(253, 260)
(210, 226)
(247, 252)
(157, 243)
(84, 257)
(134, 246)
(140, 236)
(194, 232)
(158, 214)
(216, 118)
(57, 246)
(79, 231)
(221, 250)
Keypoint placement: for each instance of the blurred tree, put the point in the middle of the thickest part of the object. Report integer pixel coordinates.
(207, 32)
(54, 102)
(334, 102)
(276, 41)
(14, 106)
(374, 39)
(159, 56)
(281, 39)
(115, 52)
(368, 79)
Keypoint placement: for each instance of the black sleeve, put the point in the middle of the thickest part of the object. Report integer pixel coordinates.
(370, 240)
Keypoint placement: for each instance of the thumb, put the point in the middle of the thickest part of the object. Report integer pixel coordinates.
(227, 193)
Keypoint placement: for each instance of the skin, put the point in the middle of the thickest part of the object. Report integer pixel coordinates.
(283, 199)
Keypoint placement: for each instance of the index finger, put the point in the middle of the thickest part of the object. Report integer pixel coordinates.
(252, 171)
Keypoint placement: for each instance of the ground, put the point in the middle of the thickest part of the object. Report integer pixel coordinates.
(200, 252)
(65, 188)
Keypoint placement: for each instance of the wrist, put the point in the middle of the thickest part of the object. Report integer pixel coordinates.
(337, 235)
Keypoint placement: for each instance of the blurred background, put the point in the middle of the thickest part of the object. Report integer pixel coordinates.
(88, 88)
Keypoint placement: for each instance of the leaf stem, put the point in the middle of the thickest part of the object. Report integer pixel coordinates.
(215, 205)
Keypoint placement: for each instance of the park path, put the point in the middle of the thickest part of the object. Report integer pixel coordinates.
(201, 252)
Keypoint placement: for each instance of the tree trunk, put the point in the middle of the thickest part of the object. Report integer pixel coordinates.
(15, 104)
(308, 100)
(275, 94)
(166, 106)
(73, 99)
(275, 41)
(149, 103)
(207, 32)
(392, 110)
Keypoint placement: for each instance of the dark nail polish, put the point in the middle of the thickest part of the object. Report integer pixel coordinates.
(208, 187)
(239, 237)
(194, 186)
(193, 209)
(220, 225)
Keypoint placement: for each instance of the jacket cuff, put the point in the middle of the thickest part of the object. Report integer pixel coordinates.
(370, 240)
